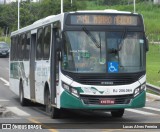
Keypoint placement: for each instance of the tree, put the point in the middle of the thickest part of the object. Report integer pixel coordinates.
(31, 12)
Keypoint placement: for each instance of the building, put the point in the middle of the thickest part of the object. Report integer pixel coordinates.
(156, 1)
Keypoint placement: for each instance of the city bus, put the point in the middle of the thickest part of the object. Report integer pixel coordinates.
(90, 60)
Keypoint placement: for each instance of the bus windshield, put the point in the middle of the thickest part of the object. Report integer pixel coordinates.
(103, 52)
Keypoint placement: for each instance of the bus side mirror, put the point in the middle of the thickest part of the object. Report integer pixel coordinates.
(146, 44)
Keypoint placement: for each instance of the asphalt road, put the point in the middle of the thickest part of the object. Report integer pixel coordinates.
(12, 112)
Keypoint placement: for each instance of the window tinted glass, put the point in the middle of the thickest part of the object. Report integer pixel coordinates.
(16, 50)
(39, 52)
(23, 39)
(12, 50)
(27, 45)
(47, 39)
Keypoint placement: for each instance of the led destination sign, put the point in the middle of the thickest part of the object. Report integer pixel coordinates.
(103, 20)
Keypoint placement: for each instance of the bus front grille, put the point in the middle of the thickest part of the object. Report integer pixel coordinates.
(105, 79)
(95, 100)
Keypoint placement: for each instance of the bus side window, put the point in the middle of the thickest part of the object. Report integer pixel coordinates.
(20, 48)
(27, 46)
(39, 51)
(47, 41)
(12, 50)
(16, 51)
(23, 46)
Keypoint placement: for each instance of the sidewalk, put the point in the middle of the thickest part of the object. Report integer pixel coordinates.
(153, 97)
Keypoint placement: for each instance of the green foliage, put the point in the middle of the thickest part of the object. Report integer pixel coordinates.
(153, 65)
(150, 12)
(31, 12)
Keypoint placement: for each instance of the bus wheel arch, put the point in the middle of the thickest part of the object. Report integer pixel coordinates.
(53, 111)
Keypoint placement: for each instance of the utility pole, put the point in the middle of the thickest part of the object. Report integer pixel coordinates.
(61, 6)
(134, 6)
(18, 14)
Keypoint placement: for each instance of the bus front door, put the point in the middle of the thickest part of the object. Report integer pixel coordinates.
(32, 66)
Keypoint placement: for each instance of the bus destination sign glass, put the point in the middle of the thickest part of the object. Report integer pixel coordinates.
(104, 20)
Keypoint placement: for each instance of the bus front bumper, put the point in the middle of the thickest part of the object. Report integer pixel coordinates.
(71, 102)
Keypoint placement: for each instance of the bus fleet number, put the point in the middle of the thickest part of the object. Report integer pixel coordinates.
(122, 90)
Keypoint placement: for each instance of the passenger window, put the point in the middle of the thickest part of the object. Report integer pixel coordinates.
(23, 41)
(39, 51)
(47, 41)
(28, 37)
(17, 48)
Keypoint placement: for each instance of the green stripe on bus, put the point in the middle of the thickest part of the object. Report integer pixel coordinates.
(72, 102)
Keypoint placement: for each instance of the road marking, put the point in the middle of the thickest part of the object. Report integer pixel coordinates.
(151, 108)
(5, 81)
(45, 126)
(140, 112)
(3, 100)
(18, 111)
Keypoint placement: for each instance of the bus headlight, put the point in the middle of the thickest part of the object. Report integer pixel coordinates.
(138, 90)
(66, 86)
(143, 86)
(70, 89)
(74, 92)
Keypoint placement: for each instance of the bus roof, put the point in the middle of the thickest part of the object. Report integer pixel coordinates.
(105, 11)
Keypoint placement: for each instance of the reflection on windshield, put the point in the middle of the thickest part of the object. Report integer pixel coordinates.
(128, 52)
(81, 54)
(124, 53)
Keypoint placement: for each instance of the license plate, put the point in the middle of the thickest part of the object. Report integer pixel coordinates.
(107, 101)
(3, 53)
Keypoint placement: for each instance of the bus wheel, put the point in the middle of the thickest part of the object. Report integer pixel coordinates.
(23, 101)
(55, 113)
(117, 113)
(47, 102)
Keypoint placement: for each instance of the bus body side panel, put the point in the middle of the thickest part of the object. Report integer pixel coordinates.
(20, 70)
(42, 70)
(25, 78)
(38, 79)
(14, 77)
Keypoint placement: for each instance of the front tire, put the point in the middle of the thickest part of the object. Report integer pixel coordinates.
(55, 113)
(117, 113)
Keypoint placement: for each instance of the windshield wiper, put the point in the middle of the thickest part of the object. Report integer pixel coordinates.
(122, 38)
(92, 37)
(119, 44)
(98, 44)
